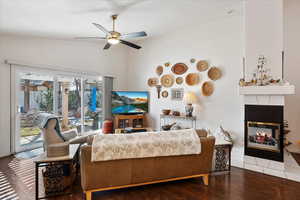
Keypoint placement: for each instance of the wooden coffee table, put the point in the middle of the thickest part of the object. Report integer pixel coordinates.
(44, 161)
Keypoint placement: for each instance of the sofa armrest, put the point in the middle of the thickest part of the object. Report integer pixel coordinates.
(202, 132)
(85, 162)
(207, 151)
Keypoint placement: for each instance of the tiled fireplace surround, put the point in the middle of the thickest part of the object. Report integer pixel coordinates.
(269, 95)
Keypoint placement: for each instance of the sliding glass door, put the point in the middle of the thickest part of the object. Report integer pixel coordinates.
(92, 104)
(34, 96)
(76, 100)
(69, 102)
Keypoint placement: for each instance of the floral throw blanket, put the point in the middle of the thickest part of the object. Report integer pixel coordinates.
(142, 145)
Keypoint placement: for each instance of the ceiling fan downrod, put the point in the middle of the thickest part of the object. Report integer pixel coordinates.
(114, 17)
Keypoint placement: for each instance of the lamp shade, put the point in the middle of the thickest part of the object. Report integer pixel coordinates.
(190, 98)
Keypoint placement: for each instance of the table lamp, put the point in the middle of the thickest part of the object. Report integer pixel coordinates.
(189, 98)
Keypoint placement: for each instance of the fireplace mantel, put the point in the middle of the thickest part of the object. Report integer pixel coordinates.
(276, 90)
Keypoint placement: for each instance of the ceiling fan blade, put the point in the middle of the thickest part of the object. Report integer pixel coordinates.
(93, 38)
(107, 46)
(102, 28)
(134, 35)
(130, 44)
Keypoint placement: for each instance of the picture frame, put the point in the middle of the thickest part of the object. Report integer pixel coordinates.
(177, 94)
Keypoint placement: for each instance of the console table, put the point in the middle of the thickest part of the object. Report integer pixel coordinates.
(163, 119)
(44, 161)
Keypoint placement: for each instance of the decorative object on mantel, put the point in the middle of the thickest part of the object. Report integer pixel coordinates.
(179, 80)
(158, 89)
(190, 98)
(193, 60)
(192, 79)
(207, 88)
(242, 81)
(167, 80)
(152, 82)
(179, 68)
(214, 73)
(166, 111)
(159, 70)
(261, 73)
(261, 77)
(272, 81)
(202, 65)
(165, 94)
(177, 94)
(167, 64)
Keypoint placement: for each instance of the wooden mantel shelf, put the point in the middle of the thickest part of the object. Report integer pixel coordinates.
(277, 90)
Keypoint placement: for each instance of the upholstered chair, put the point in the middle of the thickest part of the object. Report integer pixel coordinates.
(56, 144)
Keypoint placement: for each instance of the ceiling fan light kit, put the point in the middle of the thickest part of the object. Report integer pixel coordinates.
(113, 37)
(113, 41)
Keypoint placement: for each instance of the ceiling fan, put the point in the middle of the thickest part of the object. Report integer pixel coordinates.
(113, 37)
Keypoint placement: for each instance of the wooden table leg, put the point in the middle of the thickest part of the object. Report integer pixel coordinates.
(88, 195)
(205, 179)
(230, 149)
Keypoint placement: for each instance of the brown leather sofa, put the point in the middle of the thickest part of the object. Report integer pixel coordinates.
(116, 174)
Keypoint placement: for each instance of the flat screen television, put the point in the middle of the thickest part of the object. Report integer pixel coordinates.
(129, 102)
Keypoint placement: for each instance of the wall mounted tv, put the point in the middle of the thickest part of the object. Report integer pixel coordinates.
(129, 102)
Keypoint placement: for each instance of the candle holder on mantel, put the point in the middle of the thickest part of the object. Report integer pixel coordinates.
(261, 76)
(262, 73)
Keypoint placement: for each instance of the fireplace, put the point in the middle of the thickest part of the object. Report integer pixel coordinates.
(264, 131)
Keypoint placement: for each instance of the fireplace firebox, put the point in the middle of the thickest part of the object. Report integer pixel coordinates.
(264, 131)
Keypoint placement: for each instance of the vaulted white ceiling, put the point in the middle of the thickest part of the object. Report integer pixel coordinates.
(72, 18)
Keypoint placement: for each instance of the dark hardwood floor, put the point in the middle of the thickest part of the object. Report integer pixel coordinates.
(17, 182)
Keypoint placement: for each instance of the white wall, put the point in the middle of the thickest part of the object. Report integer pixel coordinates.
(264, 35)
(221, 43)
(292, 62)
(76, 55)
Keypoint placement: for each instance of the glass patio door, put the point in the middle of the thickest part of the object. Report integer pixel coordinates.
(68, 98)
(34, 95)
(76, 100)
(93, 104)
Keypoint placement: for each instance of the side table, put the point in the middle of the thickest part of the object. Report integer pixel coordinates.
(222, 156)
(44, 161)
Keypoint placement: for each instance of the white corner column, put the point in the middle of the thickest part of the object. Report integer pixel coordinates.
(264, 35)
